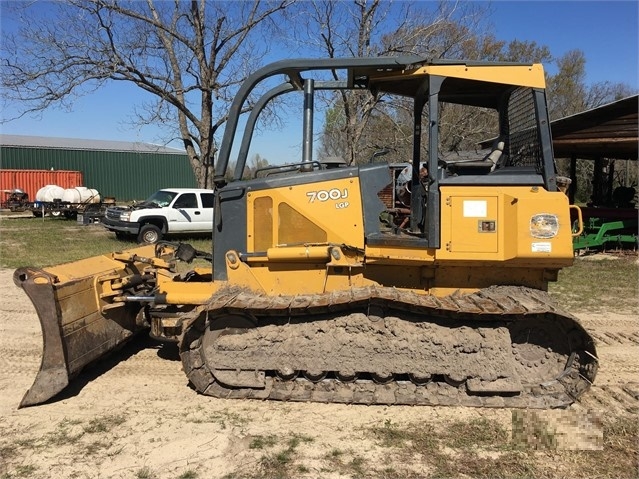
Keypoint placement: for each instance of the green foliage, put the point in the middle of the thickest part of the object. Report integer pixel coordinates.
(298, 439)
(349, 463)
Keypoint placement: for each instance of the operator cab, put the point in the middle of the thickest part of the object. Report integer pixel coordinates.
(506, 99)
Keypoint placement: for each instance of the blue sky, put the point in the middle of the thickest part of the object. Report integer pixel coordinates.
(606, 31)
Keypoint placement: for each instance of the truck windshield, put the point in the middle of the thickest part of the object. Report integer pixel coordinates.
(161, 198)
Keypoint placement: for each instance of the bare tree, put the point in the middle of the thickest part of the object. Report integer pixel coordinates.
(190, 56)
(357, 123)
(569, 93)
(255, 163)
(345, 29)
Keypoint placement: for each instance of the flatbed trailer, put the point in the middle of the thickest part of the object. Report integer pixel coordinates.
(84, 213)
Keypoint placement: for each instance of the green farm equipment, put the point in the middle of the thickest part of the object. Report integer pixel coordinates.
(606, 228)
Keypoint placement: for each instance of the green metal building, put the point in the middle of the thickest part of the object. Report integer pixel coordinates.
(124, 170)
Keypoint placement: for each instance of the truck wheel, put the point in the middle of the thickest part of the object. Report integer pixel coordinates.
(149, 234)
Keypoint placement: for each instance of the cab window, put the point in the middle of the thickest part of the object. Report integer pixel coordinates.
(186, 200)
(208, 200)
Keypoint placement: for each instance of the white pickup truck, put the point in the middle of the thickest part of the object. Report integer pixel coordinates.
(166, 212)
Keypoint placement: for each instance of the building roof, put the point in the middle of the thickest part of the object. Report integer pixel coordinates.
(26, 141)
(608, 131)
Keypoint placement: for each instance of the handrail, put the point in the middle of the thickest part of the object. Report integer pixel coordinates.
(580, 221)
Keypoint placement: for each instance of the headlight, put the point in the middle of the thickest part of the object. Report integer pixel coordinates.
(544, 225)
(125, 216)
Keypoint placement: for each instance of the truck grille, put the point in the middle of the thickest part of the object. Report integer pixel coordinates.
(113, 214)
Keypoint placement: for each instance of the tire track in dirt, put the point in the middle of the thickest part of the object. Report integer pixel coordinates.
(608, 338)
(617, 400)
(21, 345)
(616, 388)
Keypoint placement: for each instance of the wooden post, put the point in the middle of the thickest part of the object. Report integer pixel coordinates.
(572, 189)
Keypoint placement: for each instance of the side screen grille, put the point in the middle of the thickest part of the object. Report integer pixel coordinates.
(521, 127)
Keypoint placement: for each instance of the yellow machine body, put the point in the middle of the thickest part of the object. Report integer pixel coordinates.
(490, 237)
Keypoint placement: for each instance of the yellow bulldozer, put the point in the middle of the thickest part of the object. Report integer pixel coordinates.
(325, 286)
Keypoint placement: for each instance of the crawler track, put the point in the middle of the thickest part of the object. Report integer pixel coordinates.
(500, 347)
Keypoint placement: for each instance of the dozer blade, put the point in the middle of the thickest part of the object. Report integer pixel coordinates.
(80, 322)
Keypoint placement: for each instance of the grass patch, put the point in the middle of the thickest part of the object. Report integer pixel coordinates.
(190, 474)
(474, 433)
(103, 424)
(262, 442)
(482, 448)
(144, 473)
(282, 464)
(25, 471)
(574, 289)
(95, 447)
(413, 436)
(475, 448)
(298, 439)
(224, 418)
(618, 459)
(28, 241)
(391, 435)
(334, 453)
(510, 465)
(67, 433)
(351, 464)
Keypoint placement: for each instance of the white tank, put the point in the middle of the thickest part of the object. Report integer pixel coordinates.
(81, 194)
(71, 195)
(49, 193)
(91, 196)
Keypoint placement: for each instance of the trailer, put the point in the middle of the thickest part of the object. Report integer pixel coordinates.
(84, 212)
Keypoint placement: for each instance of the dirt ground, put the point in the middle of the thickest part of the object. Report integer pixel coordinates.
(135, 415)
